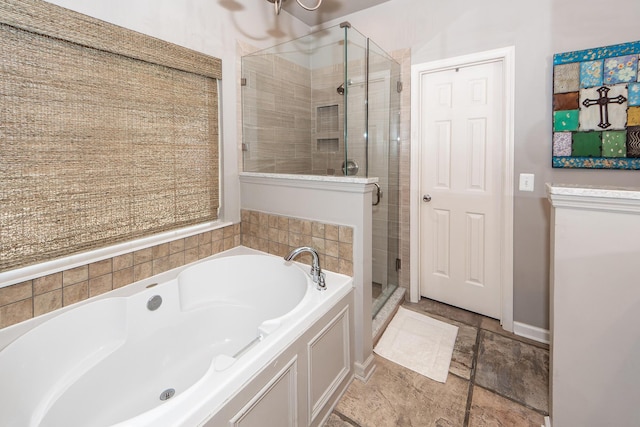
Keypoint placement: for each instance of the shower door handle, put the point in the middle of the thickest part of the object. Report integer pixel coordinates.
(426, 198)
(378, 194)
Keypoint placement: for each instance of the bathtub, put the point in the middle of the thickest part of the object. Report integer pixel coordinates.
(170, 350)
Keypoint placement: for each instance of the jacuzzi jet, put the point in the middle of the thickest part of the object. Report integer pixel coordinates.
(154, 302)
(167, 394)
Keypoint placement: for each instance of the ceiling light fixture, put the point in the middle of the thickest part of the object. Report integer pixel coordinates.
(278, 5)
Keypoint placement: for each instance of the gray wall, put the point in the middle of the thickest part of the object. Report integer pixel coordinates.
(538, 29)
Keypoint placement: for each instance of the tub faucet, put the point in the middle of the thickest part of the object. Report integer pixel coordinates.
(316, 273)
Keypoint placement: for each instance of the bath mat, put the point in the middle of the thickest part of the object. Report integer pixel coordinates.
(419, 343)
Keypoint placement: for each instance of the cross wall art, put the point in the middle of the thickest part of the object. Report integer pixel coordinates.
(596, 108)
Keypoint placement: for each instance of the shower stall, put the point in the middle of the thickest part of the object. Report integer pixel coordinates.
(329, 104)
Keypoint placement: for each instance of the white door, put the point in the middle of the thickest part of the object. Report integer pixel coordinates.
(462, 140)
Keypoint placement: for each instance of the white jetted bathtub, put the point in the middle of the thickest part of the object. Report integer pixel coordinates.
(167, 351)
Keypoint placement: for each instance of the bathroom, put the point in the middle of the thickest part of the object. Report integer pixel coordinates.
(412, 32)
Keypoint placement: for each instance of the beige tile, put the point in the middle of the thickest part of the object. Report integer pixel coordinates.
(244, 215)
(345, 267)
(295, 239)
(283, 223)
(123, 277)
(273, 221)
(489, 409)
(254, 217)
(295, 225)
(345, 251)
(263, 219)
(46, 302)
(190, 255)
(75, 275)
(514, 369)
(332, 248)
(273, 234)
(217, 234)
(305, 227)
(100, 285)
(204, 250)
(142, 271)
(123, 261)
(176, 260)
(160, 251)
(204, 238)
(331, 232)
(396, 396)
(17, 292)
(217, 246)
(47, 283)
(16, 312)
(345, 234)
(229, 243)
(100, 268)
(227, 232)
(331, 264)
(318, 244)
(74, 293)
(143, 256)
(176, 246)
(317, 229)
(160, 265)
(191, 242)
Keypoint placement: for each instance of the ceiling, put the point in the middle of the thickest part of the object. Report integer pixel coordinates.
(329, 10)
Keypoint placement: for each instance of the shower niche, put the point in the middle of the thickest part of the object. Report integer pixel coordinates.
(329, 104)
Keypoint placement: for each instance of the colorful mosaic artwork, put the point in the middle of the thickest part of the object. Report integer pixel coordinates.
(596, 108)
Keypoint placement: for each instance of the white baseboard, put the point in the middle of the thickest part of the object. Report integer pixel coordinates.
(547, 422)
(363, 371)
(531, 332)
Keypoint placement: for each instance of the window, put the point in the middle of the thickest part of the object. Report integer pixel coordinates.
(106, 135)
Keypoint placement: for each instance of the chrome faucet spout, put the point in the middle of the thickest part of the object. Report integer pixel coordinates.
(316, 272)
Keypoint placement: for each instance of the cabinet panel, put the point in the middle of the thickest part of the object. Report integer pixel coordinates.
(329, 362)
(275, 404)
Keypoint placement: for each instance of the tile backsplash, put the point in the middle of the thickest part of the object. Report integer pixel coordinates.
(274, 234)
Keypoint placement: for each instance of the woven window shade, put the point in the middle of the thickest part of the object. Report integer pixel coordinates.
(99, 145)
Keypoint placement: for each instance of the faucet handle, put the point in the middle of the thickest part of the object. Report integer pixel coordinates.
(321, 285)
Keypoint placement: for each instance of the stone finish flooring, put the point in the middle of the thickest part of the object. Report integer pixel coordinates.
(495, 379)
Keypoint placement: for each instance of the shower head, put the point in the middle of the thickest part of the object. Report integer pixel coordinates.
(340, 89)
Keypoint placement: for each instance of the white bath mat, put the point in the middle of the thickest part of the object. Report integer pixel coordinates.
(419, 343)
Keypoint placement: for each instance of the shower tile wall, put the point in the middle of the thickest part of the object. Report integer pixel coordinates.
(325, 82)
(276, 115)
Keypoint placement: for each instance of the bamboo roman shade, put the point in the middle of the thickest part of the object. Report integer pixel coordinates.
(106, 134)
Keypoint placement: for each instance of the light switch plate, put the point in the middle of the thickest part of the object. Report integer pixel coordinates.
(526, 181)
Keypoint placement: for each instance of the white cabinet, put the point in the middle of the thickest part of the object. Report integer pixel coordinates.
(300, 386)
(595, 306)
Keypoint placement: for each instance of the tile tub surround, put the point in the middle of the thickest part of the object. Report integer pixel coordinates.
(274, 234)
(41, 295)
(495, 379)
(279, 235)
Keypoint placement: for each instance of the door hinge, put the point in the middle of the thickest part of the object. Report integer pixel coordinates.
(243, 81)
(398, 264)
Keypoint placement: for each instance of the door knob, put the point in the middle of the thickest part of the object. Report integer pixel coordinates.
(426, 198)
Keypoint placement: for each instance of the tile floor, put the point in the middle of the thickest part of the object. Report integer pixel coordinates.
(495, 379)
